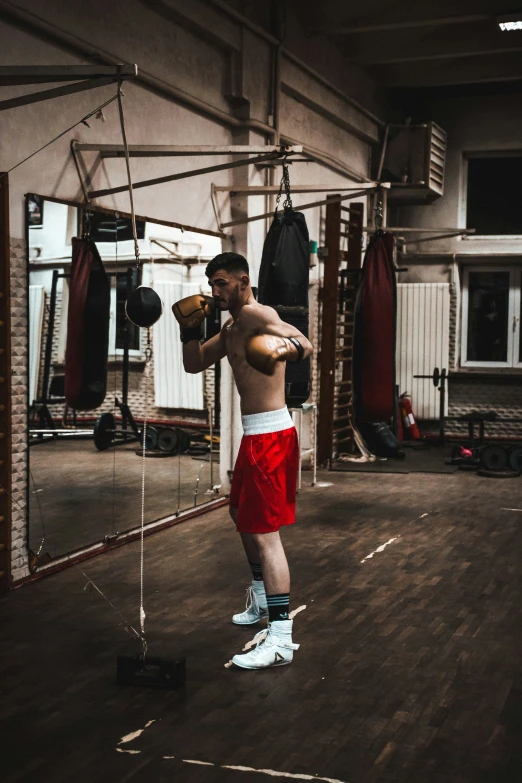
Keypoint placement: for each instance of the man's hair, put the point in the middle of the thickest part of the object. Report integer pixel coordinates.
(231, 262)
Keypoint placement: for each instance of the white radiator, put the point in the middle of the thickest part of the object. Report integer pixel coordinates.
(173, 387)
(36, 319)
(422, 342)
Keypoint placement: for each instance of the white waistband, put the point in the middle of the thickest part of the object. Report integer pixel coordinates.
(270, 421)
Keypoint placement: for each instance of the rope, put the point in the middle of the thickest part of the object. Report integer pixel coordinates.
(148, 356)
(83, 120)
(127, 164)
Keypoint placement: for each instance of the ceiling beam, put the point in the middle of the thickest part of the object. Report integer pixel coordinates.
(403, 25)
(41, 74)
(471, 70)
(437, 56)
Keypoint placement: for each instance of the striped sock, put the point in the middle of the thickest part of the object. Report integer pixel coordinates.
(256, 571)
(278, 606)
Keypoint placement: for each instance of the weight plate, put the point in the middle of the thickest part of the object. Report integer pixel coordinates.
(104, 431)
(515, 458)
(505, 473)
(151, 440)
(168, 440)
(436, 377)
(493, 457)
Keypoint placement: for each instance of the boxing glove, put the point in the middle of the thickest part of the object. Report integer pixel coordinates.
(190, 314)
(263, 351)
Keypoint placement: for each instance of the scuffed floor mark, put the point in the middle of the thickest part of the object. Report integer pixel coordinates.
(275, 774)
(423, 515)
(131, 752)
(380, 549)
(261, 634)
(203, 763)
(135, 734)
(511, 509)
(324, 484)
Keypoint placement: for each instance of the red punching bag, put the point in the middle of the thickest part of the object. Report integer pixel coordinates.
(374, 333)
(88, 320)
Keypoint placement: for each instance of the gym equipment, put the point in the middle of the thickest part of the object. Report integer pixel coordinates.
(143, 307)
(439, 379)
(151, 672)
(283, 283)
(493, 457)
(140, 670)
(87, 328)
(501, 473)
(380, 439)
(515, 458)
(373, 366)
(168, 440)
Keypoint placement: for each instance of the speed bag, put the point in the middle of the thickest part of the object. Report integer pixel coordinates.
(373, 367)
(283, 284)
(88, 320)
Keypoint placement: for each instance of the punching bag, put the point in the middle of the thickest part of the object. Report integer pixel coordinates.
(283, 284)
(88, 320)
(373, 368)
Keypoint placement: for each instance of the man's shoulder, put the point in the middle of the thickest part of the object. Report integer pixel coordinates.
(259, 312)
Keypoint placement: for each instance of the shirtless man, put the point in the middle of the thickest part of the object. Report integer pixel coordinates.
(257, 344)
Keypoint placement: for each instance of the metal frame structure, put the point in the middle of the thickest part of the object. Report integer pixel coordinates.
(85, 77)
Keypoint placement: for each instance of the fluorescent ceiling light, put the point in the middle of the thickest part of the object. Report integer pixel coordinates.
(510, 22)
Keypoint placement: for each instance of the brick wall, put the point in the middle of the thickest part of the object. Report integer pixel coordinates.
(19, 364)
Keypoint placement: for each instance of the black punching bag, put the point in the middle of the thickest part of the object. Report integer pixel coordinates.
(283, 284)
(88, 320)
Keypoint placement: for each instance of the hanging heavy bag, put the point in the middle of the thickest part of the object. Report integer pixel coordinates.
(373, 368)
(87, 328)
(283, 284)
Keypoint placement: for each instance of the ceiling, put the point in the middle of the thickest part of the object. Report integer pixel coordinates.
(411, 44)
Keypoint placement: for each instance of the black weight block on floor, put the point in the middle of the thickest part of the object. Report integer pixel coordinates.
(493, 457)
(151, 672)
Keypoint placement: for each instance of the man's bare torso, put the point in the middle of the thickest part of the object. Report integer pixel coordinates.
(258, 392)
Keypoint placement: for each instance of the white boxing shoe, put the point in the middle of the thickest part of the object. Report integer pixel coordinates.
(256, 607)
(274, 647)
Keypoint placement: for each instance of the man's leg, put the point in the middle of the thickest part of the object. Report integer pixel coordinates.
(277, 648)
(276, 574)
(256, 608)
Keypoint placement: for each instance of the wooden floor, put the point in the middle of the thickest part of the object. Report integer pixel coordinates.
(79, 495)
(410, 666)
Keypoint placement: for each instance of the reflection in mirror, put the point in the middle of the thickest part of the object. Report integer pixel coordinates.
(87, 425)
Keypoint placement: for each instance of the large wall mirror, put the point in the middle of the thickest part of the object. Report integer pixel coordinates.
(85, 466)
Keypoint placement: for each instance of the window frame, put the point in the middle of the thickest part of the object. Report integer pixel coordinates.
(463, 216)
(514, 304)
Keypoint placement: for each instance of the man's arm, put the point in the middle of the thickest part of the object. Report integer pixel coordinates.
(269, 322)
(197, 357)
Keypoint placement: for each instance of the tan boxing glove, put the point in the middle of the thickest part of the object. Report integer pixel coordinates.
(190, 314)
(264, 351)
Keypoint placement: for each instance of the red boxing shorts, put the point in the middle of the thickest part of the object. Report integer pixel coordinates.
(265, 474)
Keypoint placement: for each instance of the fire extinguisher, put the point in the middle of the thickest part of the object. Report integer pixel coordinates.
(411, 431)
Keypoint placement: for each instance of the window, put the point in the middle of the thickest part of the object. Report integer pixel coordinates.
(494, 196)
(491, 312)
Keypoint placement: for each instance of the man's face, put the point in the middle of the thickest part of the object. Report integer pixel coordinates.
(227, 287)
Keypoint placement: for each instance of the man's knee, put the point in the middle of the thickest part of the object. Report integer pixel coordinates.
(267, 540)
(233, 513)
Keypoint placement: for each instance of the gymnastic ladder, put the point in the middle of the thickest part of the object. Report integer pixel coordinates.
(342, 266)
